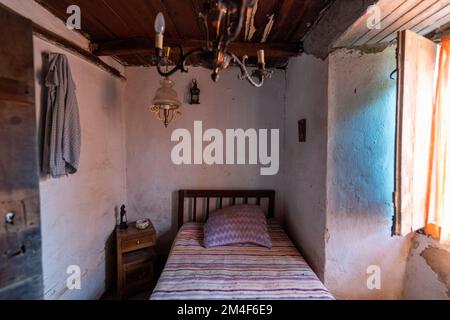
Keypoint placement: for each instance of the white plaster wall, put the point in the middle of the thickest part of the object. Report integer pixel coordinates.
(305, 163)
(152, 178)
(78, 212)
(360, 177)
(427, 275)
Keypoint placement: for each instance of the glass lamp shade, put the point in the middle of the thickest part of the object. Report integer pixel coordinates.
(160, 23)
(165, 103)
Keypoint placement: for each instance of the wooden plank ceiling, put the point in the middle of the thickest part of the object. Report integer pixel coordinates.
(420, 16)
(124, 28)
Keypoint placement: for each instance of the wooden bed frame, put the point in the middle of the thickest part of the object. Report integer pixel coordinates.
(220, 195)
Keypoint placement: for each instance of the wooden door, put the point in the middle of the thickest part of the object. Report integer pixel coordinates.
(20, 234)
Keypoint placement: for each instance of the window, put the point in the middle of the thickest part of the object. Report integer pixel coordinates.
(422, 195)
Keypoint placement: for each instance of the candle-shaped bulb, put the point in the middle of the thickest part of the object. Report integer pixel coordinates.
(261, 57)
(160, 26)
(160, 23)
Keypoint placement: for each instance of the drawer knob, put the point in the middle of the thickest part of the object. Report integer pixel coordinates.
(138, 242)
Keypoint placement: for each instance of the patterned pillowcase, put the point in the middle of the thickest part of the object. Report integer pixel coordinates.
(241, 224)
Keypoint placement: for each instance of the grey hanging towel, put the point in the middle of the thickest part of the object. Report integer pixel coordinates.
(62, 132)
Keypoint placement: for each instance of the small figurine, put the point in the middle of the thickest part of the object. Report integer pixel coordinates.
(123, 218)
(195, 93)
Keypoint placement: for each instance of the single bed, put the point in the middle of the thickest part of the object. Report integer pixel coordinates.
(249, 272)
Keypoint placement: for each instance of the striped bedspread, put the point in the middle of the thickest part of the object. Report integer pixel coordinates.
(236, 272)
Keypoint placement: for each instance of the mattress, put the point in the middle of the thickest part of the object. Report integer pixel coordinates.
(193, 272)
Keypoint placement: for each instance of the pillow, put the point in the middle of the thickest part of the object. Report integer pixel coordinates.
(241, 224)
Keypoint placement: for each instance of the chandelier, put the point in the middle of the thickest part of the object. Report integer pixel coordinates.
(226, 19)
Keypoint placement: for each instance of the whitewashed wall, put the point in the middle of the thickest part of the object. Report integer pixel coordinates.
(360, 177)
(427, 270)
(338, 197)
(78, 212)
(152, 178)
(304, 187)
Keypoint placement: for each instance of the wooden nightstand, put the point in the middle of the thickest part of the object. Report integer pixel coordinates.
(135, 259)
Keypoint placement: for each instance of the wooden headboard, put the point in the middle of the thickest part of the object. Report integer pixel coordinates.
(219, 195)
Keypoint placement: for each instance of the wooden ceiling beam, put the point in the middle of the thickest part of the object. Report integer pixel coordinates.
(62, 42)
(437, 34)
(132, 46)
(337, 18)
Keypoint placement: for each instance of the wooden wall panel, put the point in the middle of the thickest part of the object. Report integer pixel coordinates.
(427, 17)
(409, 17)
(20, 241)
(420, 16)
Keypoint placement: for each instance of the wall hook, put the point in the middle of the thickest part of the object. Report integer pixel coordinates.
(392, 74)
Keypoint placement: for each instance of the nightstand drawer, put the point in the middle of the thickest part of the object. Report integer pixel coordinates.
(137, 243)
(139, 276)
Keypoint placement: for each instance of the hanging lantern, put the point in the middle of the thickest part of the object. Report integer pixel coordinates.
(166, 104)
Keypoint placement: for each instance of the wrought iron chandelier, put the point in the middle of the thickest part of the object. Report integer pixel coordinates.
(226, 18)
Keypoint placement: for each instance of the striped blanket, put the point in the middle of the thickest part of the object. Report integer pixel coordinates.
(236, 272)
